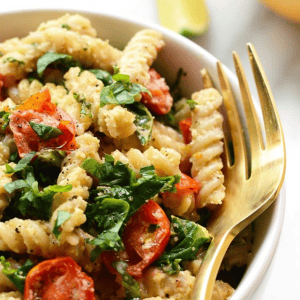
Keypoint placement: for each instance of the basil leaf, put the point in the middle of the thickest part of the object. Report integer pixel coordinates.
(143, 121)
(4, 115)
(85, 106)
(122, 91)
(63, 61)
(108, 216)
(45, 132)
(132, 288)
(22, 164)
(187, 238)
(16, 276)
(102, 75)
(62, 217)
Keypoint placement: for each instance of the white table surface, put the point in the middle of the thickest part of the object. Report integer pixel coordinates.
(233, 24)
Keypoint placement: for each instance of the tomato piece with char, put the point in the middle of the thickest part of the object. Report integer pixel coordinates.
(145, 237)
(161, 101)
(187, 185)
(60, 279)
(185, 127)
(39, 109)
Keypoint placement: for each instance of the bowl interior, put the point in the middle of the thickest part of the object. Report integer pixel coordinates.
(178, 52)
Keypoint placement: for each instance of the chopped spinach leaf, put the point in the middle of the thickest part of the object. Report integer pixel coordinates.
(122, 91)
(120, 192)
(14, 157)
(57, 60)
(62, 217)
(102, 75)
(175, 88)
(108, 216)
(22, 164)
(30, 201)
(118, 181)
(143, 121)
(132, 288)
(45, 132)
(4, 115)
(187, 238)
(85, 106)
(168, 119)
(16, 276)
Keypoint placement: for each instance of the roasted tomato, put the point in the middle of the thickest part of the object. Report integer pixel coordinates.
(60, 279)
(161, 101)
(185, 126)
(39, 109)
(145, 237)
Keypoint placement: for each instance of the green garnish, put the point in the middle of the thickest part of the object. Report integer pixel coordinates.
(102, 75)
(45, 132)
(16, 276)
(62, 217)
(14, 60)
(122, 91)
(85, 106)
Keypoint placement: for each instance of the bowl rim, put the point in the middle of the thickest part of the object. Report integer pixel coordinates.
(253, 275)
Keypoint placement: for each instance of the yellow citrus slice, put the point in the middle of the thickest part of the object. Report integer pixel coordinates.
(187, 17)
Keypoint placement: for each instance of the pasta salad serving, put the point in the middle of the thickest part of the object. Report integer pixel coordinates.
(108, 175)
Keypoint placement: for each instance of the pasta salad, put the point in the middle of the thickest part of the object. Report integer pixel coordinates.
(107, 175)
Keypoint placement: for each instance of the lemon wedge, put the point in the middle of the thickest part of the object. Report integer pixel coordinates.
(187, 17)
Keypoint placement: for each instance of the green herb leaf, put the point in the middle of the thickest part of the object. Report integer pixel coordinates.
(14, 156)
(16, 276)
(4, 115)
(143, 121)
(187, 238)
(192, 104)
(122, 91)
(108, 215)
(45, 132)
(50, 157)
(132, 288)
(102, 75)
(62, 217)
(59, 61)
(30, 201)
(22, 164)
(85, 106)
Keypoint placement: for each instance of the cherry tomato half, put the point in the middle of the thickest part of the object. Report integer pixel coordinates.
(39, 109)
(145, 237)
(185, 126)
(161, 101)
(60, 279)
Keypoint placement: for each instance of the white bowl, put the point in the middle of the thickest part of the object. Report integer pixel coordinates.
(178, 52)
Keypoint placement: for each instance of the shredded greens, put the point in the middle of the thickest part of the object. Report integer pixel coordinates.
(16, 276)
(122, 91)
(62, 217)
(45, 132)
(187, 238)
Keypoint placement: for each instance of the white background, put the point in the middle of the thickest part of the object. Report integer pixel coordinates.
(233, 24)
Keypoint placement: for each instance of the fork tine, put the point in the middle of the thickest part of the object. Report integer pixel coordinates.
(253, 125)
(268, 106)
(236, 130)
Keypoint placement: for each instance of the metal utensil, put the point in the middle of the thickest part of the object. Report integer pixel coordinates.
(254, 169)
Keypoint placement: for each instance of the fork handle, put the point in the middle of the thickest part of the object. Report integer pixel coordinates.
(207, 274)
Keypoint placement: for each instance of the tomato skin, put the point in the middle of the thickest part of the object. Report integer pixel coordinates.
(39, 108)
(185, 127)
(187, 185)
(142, 245)
(60, 279)
(161, 101)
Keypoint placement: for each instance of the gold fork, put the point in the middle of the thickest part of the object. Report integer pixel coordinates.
(254, 170)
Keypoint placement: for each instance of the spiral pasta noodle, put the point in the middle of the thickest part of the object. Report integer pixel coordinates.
(207, 147)
(139, 55)
(11, 296)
